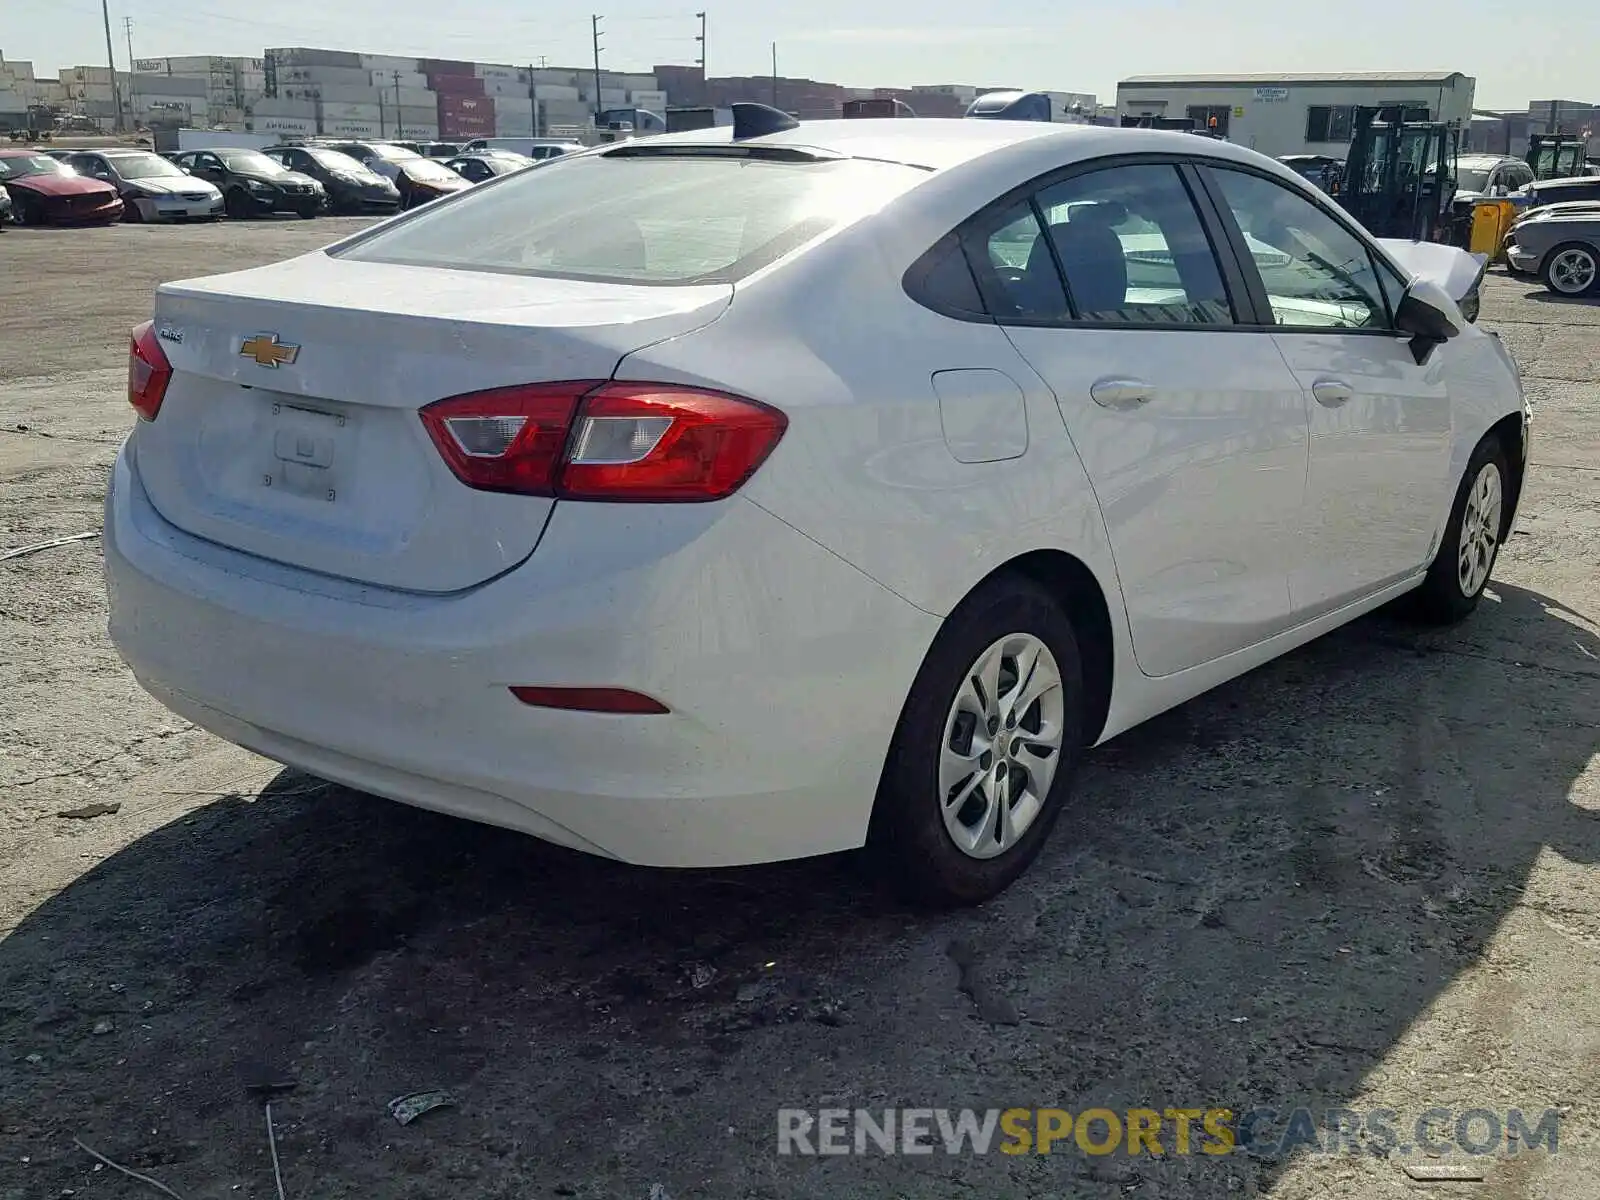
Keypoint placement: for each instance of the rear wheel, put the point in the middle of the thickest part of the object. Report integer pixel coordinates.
(236, 204)
(1471, 543)
(1572, 269)
(982, 759)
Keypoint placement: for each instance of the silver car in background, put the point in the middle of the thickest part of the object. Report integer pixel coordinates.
(1562, 248)
(152, 188)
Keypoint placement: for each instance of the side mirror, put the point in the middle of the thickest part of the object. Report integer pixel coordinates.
(1425, 314)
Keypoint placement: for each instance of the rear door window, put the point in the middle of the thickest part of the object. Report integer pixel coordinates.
(1133, 250)
(707, 217)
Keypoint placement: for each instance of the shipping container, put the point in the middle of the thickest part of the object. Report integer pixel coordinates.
(611, 98)
(559, 76)
(415, 80)
(655, 101)
(496, 71)
(465, 104)
(298, 126)
(85, 75)
(637, 83)
(409, 98)
(444, 66)
(554, 91)
(300, 56)
(505, 87)
(18, 69)
(456, 85)
(336, 93)
(351, 128)
(321, 76)
(281, 107)
(335, 111)
(388, 62)
(466, 125)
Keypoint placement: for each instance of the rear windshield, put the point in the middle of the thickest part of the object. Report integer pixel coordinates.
(652, 220)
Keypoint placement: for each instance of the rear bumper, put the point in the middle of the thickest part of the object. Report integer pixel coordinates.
(784, 668)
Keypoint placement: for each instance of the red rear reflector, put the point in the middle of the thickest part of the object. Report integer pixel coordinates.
(591, 699)
(149, 372)
(594, 440)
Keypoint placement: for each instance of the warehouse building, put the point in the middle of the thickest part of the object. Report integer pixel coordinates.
(1294, 114)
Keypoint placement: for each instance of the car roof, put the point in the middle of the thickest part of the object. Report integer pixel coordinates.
(1481, 160)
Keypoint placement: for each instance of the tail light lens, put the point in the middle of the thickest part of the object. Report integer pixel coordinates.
(149, 372)
(597, 440)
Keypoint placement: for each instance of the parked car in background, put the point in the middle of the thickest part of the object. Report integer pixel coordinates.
(1559, 191)
(152, 188)
(585, 505)
(1490, 176)
(483, 165)
(46, 191)
(6, 214)
(418, 179)
(1562, 249)
(254, 185)
(439, 150)
(1323, 170)
(534, 148)
(352, 187)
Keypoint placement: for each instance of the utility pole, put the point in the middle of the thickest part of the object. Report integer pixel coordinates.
(774, 74)
(594, 23)
(399, 121)
(133, 116)
(701, 61)
(111, 61)
(533, 100)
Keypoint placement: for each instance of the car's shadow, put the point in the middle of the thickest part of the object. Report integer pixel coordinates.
(1252, 899)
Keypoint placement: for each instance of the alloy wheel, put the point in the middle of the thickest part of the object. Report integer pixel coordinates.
(1573, 271)
(1002, 745)
(1480, 530)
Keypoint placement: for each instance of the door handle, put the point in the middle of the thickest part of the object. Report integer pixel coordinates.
(1331, 393)
(1120, 393)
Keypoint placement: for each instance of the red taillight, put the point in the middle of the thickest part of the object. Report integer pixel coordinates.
(149, 372)
(591, 699)
(506, 440)
(594, 440)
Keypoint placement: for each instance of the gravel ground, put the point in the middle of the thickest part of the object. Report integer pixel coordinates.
(1361, 877)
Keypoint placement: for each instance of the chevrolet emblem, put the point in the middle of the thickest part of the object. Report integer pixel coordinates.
(268, 351)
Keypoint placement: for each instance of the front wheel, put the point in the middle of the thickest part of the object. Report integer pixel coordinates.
(1572, 269)
(1471, 543)
(982, 759)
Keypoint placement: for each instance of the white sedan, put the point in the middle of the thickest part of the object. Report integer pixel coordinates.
(764, 492)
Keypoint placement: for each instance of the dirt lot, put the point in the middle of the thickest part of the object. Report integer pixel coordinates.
(1362, 877)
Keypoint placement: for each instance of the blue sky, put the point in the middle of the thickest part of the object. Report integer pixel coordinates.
(1515, 51)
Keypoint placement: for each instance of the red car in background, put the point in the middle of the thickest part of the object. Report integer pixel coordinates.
(45, 191)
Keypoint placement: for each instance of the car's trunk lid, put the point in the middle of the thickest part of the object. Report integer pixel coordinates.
(321, 461)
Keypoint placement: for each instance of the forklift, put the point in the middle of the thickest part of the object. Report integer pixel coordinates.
(1556, 156)
(1400, 178)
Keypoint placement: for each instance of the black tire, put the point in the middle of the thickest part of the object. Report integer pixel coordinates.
(131, 213)
(26, 211)
(908, 842)
(1443, 598)
(1586, 251)
(236, 204)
